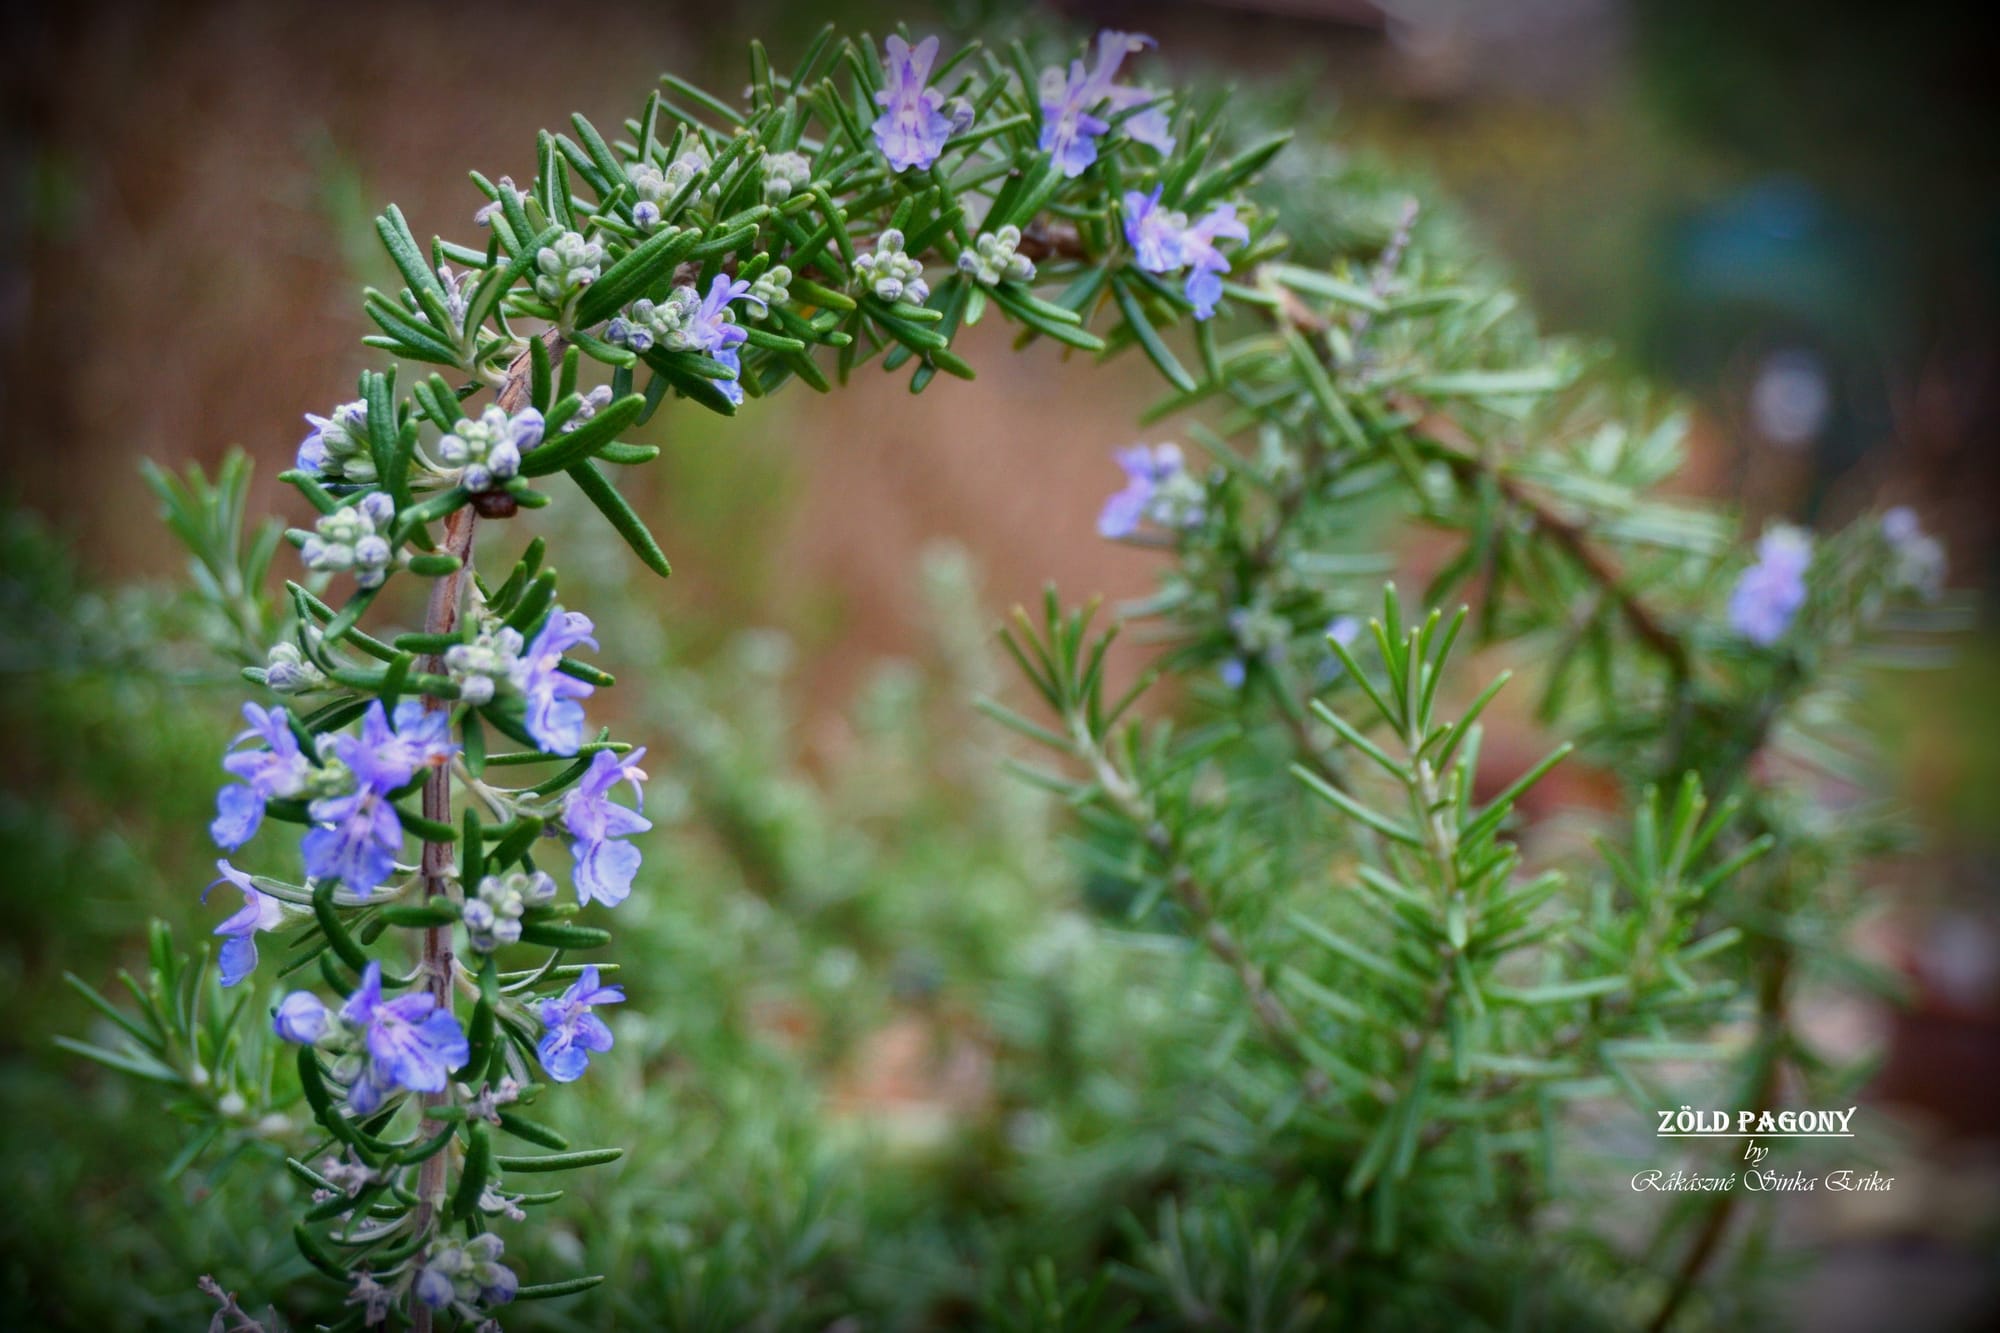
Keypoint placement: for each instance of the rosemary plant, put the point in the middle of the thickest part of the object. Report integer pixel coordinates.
(1424, 993)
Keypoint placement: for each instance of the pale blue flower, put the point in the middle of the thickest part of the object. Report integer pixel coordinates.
(604, 865)
(1069, 131)
(571, 1031)
(912, 127)
(713, 328)
(555, 717)
(1163, 241)
(421, 740)
(1157, 487)
(355, 839)
(1771, 591)
(1154, 233)
(1070, 127)
(1205, 262)
(260, 911)
(383, 757)
(279, 771)
(357, 835)
(407, 1042)
(410, 1042)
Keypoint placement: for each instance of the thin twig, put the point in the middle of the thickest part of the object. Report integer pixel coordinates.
(447, 601)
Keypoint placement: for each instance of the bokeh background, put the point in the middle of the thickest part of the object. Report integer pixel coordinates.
(1789, 212)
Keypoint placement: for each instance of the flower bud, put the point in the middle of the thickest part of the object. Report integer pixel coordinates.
(566, 267)
(785, 174)
(287, 670)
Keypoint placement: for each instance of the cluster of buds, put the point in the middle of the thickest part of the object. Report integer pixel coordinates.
(657, 188)
(995, 257)
(568, 266)
(667, 323)
(772, 288)
(488, 451)
(287, 670)
(480, 667)
(469, 1274)
(891, 274)
(594, 400)
(353, 537)
(337, 447)
(785, 174)
(493, 918)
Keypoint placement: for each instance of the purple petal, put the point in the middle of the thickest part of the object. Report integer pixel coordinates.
(604, 871)
(238, 958)
(238, 812)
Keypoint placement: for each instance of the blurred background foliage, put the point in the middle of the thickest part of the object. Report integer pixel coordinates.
(887, 1042)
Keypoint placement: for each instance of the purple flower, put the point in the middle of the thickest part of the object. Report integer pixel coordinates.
(407, 1042)
(1772, 590)
(1205, 262)
(1154, 233)
(912, 127)
(260, 911)
(1233, 671)
(300, 1018)
(1070, 130)
(604, 867)
(355, 839)
(359, 834)
(711, 330)
(278, 771)
(1157, 487)
(411, 1043)
(1163, 241)
(1149, 127)
(383, 758)
(422, 737)
(571, 1031)
(555, 718)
